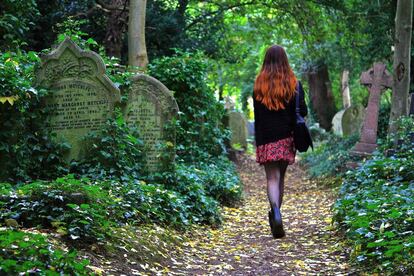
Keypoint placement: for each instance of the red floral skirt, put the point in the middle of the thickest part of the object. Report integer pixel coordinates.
(282, 150)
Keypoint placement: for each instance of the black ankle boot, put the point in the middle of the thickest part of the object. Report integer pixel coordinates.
(276, 224)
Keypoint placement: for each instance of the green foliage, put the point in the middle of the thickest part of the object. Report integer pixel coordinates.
(32, 254)
(16, 17)
(115, 152)
(86, 210)
(73, 207)
(221, 180)
(200, 132)
(375, 208)
(22, 124)
(329, 157)
(383, 120)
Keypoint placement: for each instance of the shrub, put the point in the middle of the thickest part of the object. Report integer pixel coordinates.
(72, 207)
(115, 152)
(22, 127)
(200, 132)
(375, 208)
(29, 254)
(221, 180)
(329, 157)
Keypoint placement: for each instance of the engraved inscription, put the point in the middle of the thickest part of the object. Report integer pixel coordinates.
(145, 112)
(150, 107)
(76, 105)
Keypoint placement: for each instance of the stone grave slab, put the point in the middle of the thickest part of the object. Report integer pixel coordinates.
(238, 127)
(81, 97)
(352, 120)
(150, 107)
(337, 122)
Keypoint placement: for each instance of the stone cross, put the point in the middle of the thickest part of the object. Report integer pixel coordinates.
(377, 79)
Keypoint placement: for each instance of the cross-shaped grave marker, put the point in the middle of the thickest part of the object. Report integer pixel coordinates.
(377, 79)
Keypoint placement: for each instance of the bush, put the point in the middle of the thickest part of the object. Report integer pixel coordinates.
(329, 157)
(375, 208)
(29, 254)
(22, 124)
(200, 132)
(73, 207)
(87, 210)
(221, 180)
(115, 152)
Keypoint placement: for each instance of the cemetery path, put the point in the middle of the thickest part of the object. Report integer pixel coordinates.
(243, 245)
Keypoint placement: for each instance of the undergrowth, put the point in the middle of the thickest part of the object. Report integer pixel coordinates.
(375, 207)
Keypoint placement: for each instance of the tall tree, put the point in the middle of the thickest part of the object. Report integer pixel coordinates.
(137, 51)
(402, 56)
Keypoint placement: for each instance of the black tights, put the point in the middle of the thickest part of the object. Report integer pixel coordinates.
(275, 175)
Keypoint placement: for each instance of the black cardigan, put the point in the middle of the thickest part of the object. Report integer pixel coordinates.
(271, 126)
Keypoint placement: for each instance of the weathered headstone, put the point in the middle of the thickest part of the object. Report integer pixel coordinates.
(238, 127)
(81, 97)
(352, 120)
(377, 79)
(337, 123)
(348, 121)
(150, 107)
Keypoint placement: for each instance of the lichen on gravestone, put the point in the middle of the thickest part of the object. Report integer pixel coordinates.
(80, 97)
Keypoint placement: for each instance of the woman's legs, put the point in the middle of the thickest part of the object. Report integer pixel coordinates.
(275, 174)
(283, 167)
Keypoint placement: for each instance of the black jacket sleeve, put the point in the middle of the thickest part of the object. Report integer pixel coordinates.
(302, 104)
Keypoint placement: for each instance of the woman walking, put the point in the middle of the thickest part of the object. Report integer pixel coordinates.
(274, 110)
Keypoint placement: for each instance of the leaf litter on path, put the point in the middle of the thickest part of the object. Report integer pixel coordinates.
(243, 245)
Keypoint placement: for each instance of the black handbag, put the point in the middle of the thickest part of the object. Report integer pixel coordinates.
(301, 134)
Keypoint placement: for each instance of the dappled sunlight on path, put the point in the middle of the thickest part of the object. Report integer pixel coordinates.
(243, 245)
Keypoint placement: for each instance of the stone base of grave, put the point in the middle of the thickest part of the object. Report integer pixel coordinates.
(363, 149)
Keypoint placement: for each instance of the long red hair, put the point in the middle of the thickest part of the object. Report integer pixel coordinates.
(276, 82)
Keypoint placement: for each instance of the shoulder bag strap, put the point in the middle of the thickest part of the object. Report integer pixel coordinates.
(297, 98)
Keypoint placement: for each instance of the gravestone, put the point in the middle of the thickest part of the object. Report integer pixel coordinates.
(81, 97)
(352, 120)
(348, 121)
(337, 123)
(377, 79)
(238, 127)
(150, 107)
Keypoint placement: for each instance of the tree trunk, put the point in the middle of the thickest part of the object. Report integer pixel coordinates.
(322, 101)
(402, 56)
(115, 28)
(137, 50)
(346, 96)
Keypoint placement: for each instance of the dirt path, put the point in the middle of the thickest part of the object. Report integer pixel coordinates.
(243, 244)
